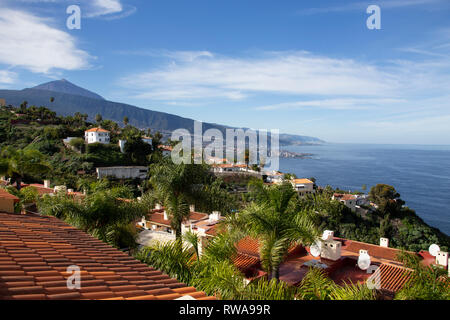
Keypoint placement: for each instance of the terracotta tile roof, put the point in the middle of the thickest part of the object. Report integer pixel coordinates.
(344, 197)
(35, 252)
(97, 130)
(301, 181)
(209, 227)
(248, 246)
(393, 278)
(6, 195)
(165, 148)
(244, 261)
(427, 258)
(157, 216)
(375, 251)
(41, 189)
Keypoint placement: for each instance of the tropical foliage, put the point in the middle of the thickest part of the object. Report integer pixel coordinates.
(105, 214)
(426, 282)
(16, 164)
(276, 222)
(317, 286)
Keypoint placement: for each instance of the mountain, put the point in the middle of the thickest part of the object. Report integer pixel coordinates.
(64, 86)
(92, 104)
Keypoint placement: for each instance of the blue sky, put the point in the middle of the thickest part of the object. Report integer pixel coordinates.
(304, 67)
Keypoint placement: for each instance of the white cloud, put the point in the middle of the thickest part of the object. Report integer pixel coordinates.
(30, 42)
(362, 5)
(104, 7)
(7, 77)
(336, 104)
(292, 73)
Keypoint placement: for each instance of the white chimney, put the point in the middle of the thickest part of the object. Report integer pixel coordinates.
(384, 242)
(328, 235)
(165, 215)
(442, 258)
(158, 206)
(47, 184)
(214, 216)
(331, 250)
(192, 208)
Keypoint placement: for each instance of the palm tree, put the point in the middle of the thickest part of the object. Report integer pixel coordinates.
(316, 285)
(125, 121)
(193, 239)
(214, 273)
(275, 222)
(98, 118)
(102, 213)
(175, 186)
(18, 163)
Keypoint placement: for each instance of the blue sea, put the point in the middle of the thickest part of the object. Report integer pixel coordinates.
(420, 173)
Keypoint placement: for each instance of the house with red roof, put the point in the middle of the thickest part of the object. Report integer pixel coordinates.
(386, 272)
(7, 201)
(303, 186)
(158, 220)
(97, 135)
(349, 200)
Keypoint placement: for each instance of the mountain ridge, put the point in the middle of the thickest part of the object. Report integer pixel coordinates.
(67, 104)
(64, 86)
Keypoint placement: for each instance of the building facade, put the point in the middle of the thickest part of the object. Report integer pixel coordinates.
(97, 135)
(131, 172)
(303, 186)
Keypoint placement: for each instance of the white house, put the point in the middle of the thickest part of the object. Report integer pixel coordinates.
(274, 177)
(303, 186)
(229, 167)
(131, 172)
(349, 200)
(97, 135)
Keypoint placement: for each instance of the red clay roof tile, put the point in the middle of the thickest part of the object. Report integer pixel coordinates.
(36, 250)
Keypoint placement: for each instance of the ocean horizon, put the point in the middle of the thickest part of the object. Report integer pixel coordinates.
(420, 173)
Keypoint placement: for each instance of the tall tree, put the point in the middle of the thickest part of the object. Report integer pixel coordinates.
(387, 199)
(18, 163)
(103, 212)
(176, 186)
(276, 223)
(98, 118)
